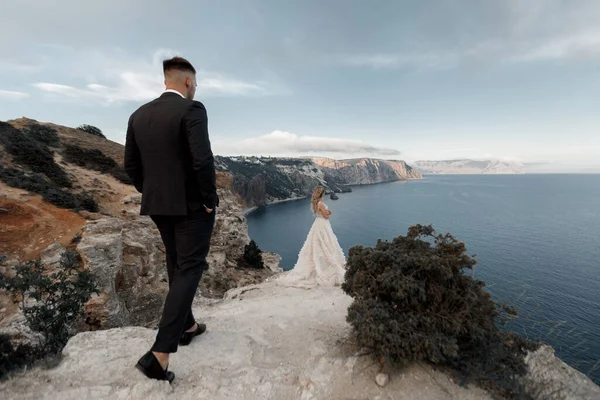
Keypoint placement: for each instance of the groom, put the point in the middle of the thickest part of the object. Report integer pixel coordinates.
(169, 160)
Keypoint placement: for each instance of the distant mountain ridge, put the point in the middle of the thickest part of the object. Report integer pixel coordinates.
(470, 167)
(263, 180)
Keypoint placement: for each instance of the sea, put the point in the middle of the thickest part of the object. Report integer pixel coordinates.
(536, 239)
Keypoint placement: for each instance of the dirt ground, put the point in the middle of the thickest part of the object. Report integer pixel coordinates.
(28, 224)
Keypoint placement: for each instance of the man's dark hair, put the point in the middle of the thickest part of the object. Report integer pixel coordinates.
(179, 64)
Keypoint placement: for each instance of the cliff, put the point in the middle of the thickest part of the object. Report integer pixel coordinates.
(366, 171)
(469, 167)
(93, 211)
(266, 342)
(262, 180)
(263, 342)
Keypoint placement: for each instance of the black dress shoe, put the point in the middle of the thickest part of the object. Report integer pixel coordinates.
(186, 337)
(170, 376)
(150, 367)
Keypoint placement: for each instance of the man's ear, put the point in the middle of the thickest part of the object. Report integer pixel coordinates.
(188, 81)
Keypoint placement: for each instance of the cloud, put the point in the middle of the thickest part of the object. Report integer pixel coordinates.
(459, 150)
(116, 78)
(18, 68)
(580, 45)
(509, 32)
(290, 144)
(432, 60)
(11, 95)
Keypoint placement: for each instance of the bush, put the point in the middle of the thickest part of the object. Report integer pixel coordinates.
(414, 302)
(30, 153)
(51, 300)
(51, 193)
(13, 357)
(92, 130)
(64, 199)
(96, 160)
(43, 134)
(252, 257)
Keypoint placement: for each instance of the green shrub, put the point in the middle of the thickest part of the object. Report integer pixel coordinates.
(92, 130)
(413, 301)
(51, 300)
(96, 160)
(73, 201)
(32, 154)
(43, 134)
(51, 193)
(252, 257)
(59, 297)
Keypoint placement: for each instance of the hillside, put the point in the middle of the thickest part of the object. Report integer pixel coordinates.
(263, 180)
(469, 167)
(74, 169)
(64, 189)
(47, 170)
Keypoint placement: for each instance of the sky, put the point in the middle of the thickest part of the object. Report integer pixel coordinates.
(511, 80)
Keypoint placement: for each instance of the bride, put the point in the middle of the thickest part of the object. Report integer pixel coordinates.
(321, 260)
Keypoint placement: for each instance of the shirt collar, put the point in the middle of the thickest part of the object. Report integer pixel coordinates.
(174, 91)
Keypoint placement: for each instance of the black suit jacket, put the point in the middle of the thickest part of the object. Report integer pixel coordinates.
(168, 156)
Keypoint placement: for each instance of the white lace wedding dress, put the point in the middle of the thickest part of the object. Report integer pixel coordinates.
(321, 260)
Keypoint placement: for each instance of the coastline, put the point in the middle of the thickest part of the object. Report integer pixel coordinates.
(250, 210)
(429, 202)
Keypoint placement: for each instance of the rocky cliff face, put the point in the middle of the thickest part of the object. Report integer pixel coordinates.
(121, 248)
(261, 180)
(366, 171)
(469, 167)
(128, 259)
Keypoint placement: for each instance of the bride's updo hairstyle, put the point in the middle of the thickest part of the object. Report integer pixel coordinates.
(316, 197)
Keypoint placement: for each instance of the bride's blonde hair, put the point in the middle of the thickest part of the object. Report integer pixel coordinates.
(316, 197)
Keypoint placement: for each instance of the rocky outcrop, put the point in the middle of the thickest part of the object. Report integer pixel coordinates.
(365, 171)
(263, 342)
(122, 249)
(51, 256)
(261, 180)
(127, 258)
(267, 342)
(549, 378)
(15, 326)
(469, 167)
(227, 247)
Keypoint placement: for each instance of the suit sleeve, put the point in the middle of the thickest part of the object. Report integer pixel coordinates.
(133, 160)
(196, 125)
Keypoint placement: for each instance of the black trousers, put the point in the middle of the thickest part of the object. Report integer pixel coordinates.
(187, 241)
